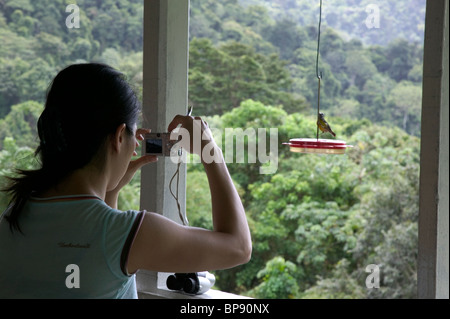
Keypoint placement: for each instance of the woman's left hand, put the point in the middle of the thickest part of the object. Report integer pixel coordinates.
(133, 167)
(136, 164)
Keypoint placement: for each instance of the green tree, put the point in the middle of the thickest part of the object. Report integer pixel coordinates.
(13, 157)
(406, 98)
(286, 36)
(82, 49)
(373, 98)
(278, 280)
(11, 6)
(341, 285)
(22, 25)
(402, 57)
(221, 78)
(397, 259)
(23, 80)
(51, 48)
(251, 115)
(21, 124)
(306, 83)
(359, 68)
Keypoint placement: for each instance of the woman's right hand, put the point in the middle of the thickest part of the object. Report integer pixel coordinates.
(197, 129)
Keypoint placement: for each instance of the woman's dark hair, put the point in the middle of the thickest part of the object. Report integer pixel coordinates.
(85, 104)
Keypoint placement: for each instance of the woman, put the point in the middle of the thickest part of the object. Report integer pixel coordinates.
(65, 213)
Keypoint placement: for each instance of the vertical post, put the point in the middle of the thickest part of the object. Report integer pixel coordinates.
(433, 261)
(165, 84)
(165, 94)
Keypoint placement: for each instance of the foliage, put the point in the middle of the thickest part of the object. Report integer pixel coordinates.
(359, 72)
(13, 157)
(21, 123)
(238, 51)
(278, 280)
(319, 220)
(221, 78)
(349, 17)
(328, 215)
(340, 285)
(36, 44)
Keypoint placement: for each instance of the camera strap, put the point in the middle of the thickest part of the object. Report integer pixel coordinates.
(175, 196)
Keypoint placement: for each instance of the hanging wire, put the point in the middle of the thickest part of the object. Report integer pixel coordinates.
(318, 74)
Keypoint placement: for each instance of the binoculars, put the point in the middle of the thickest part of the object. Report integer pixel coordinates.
(191, 283)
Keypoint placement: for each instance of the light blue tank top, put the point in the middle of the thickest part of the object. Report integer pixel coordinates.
(58, 234)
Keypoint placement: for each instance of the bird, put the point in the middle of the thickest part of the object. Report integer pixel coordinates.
(323, 125)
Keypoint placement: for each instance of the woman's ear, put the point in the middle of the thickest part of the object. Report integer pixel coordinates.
(118, 138)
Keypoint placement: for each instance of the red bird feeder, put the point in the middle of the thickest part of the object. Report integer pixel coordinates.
(317, 146)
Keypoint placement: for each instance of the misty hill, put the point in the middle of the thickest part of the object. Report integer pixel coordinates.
(397, 19)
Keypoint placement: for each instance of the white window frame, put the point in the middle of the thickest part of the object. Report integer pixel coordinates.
(433, 258)
(165, 94)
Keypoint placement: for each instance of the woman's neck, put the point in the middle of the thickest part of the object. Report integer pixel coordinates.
(83, 181)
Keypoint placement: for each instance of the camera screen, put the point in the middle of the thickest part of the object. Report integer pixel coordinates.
(154, 146)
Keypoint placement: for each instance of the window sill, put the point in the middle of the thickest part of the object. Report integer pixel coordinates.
(166, 294)
(147, 286)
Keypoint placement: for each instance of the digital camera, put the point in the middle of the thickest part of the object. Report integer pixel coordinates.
(159, 144)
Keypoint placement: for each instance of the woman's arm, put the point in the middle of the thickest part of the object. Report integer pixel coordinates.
(163, 245)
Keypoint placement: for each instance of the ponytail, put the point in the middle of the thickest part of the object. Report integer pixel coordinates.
(21, 189)
(28, 182)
